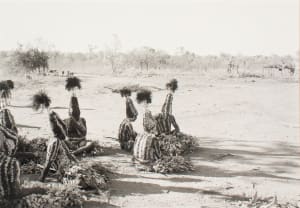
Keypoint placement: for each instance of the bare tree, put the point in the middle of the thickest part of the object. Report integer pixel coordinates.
(112, 52)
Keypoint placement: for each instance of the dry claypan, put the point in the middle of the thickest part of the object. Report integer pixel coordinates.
(247, 152)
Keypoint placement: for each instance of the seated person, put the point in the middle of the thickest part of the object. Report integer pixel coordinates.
(76, 130)
(126, 134)
(165, 120)
(146, 147)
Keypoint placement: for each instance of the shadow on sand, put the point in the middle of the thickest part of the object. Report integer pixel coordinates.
(279, 154)
(124, 188)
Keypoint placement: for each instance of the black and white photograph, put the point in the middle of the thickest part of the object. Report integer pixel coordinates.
(149, 103)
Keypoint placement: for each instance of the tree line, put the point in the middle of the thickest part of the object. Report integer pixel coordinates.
(143, 59)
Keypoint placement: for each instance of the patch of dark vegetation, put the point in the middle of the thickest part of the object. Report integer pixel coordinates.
(250, 75)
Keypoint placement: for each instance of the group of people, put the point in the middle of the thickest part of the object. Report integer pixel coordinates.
(144, 146)
(69, 135)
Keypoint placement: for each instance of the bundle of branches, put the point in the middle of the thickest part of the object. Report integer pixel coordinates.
(87, 177)
(176, 144)
(172, 164)
(31, 167)
(5, 203)
(39, 195)
(38, 146)
(61, 196)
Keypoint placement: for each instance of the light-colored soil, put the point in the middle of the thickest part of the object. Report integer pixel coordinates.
(248, 136)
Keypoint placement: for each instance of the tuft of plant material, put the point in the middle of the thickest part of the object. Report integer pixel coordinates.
(172, 84)
(4, 89)
(144, 95)
(40, 100)
(73, 83)
(172, 164)
(3, 86)
(10, 84)
(125, 91)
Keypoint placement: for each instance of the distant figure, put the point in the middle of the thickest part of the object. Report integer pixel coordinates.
(146, 147)
(126, 134)
(233, 66)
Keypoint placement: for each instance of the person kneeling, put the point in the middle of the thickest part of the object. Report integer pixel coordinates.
(76, 130)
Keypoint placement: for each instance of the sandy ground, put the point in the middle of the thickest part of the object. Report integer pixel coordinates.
(247, 129)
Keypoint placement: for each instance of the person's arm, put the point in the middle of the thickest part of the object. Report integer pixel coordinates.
(132, 110)
(80, 126)
(167, 106)
(174, 123)
(58, 126)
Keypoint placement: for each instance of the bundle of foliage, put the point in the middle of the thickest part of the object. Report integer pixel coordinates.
(62, 196)
(172, 164)
(176, 144)
(38, 146)
(87, 176)
(72, 83)
(40, 100)
(45, 196)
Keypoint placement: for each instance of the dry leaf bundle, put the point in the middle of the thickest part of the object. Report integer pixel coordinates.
(172, 164)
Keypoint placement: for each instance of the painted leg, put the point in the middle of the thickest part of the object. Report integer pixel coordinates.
(70, 155)
(87, 147)
(52, 153)
(45, 171)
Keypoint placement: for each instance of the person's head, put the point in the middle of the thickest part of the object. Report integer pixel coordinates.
(172, 85)
(74, 109)
(144, 97)
(125, 92)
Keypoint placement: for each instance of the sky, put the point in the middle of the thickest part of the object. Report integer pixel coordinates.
(249, 27)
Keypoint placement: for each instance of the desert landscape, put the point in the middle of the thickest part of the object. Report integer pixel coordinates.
(247, 133)
(139, 103)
